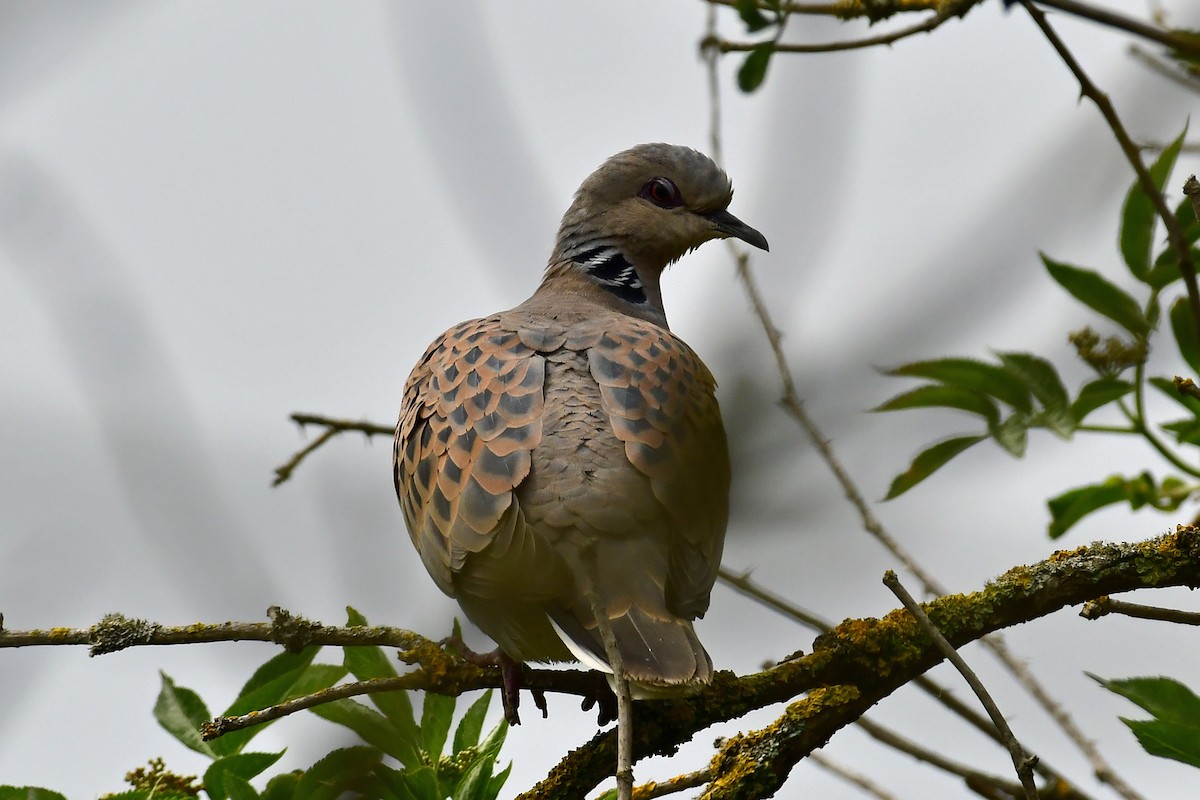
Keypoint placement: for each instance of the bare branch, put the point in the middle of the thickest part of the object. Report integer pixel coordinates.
(1102, 606)
(1021, 761)
(332, 428)
(652, 789)
(726, 46)
(850, 776)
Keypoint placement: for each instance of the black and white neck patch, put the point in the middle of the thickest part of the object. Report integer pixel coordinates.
(609, 268)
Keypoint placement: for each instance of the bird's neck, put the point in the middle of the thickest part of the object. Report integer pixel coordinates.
(603, 275)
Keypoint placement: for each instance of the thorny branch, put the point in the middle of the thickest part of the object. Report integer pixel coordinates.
(332, 428)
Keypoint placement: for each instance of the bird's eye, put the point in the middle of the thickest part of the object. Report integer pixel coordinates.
(662, 192)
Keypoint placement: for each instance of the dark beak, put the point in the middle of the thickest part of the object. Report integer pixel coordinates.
(729, 225)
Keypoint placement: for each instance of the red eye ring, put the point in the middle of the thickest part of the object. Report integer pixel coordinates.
(662, 192)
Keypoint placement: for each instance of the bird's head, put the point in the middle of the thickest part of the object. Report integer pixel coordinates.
(652, 203)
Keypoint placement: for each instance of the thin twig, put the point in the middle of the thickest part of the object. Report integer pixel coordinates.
(850, 776)
(690, 780)
(726, 46)
(332, 428)
(1021, 761)
(1182, 44)
(1165, 69)
(624, 772)
(1102, 102)
(1102, 606)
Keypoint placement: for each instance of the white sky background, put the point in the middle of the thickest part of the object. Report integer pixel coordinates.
(214, 214)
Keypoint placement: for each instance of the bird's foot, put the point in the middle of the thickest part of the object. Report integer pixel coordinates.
(511, 677)
(602, 697)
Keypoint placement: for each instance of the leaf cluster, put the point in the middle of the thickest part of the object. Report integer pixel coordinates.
(391, 735)
(1020, 392)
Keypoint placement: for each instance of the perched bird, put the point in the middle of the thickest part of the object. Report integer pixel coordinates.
(568, 454)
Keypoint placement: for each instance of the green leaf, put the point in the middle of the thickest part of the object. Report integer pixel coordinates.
(754, 69)
(367, 663)
(1098, 294)
(285, 676)
(1166, 266)
(1138, 218)
(1097, 393)
(471, 725)
(943, 396)
(1175, 730)
(239, 788)
(374, 728)
(282, 787)
(1184, 329)
(181, 712)
(755, 20)
(242, 766)
(28, 793)
(929, 461)
(476, 783)
(436, 713)
(1012, 433)
(1070, 507)
(421, 783)
(1042, 379)
(1167, 387)
(342, 772)
(969, 373)
(1185, 431)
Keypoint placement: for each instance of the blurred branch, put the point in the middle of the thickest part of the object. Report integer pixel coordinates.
(842, 675)
(1022, 762)
(1103, 606)
(850, 776)
(652, 789)
(1165, 69)
(875, 10)
(726, 46)
(332, 428)
(1089, 90)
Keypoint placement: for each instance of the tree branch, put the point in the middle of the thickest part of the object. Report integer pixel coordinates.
(862, 661)
(1102, 606)
(332, 428)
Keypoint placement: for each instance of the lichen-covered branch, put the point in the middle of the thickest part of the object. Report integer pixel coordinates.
(862, 661)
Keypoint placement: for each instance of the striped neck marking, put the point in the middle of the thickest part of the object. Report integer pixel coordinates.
(609, 268)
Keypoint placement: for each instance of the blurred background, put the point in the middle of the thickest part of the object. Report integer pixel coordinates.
(215, 214)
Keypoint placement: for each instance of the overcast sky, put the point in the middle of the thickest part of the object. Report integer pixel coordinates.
(215, 214)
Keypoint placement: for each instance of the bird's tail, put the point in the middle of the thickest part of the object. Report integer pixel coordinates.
(661, 655)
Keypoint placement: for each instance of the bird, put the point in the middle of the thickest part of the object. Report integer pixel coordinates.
(564, 463)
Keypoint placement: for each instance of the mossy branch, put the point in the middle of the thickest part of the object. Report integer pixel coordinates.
(862, 661)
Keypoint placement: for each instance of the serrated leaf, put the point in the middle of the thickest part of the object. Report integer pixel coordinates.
(1166, 265)
(282, 787)
(476, 783)
(243, 766)
(1072, 506)
(238, 788)
(437, 711)
(471, 725)
(929, 461)
(1185, 431)
(754, 69)
(943, 396)
(1042, 379)
(421, 783)
(285, 676)
(181, 712)
(1098, 393)
(754, 19)
(28, 793)
(1138, 218)
(367, 663)
(1183, 327)
(1167, 387)
(1012, 434)
(345, 771)
(971, 374)
(1175, 730)
(1099, 294)
(374, 728)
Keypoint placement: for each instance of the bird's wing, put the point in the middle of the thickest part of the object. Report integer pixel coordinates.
(471, 414)
(660, 399)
